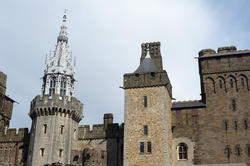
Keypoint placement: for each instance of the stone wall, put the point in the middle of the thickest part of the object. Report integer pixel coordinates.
(219, 132)
(14, 147)
(101, 146)
(156, 116)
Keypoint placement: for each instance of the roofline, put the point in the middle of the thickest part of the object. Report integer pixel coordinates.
(225, 53)
(9, 98)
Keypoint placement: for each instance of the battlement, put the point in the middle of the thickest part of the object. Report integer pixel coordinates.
(142, 80)
(227, 59)
(100, 131)
(52, 105)
(3, 80)
(12, 136)
(97, 132)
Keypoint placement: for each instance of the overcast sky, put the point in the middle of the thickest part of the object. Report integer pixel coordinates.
(106, 36)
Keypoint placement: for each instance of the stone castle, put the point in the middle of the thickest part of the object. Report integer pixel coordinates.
(212, 131)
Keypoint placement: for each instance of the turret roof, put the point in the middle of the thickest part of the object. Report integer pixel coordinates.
(147, 65)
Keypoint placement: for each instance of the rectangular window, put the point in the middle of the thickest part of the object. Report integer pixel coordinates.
(233, 105)
(141, 147)
(238, 150)
(62, 129)
(245, 124)
(45, 128)
(248, 150)
(60, 153)
(145, 101)
(225, 124)
(145, 128)
(149, 147)
(227, 151)
(42, 152)
(235, 125)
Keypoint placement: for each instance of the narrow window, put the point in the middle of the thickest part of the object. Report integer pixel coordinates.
(237, 150)
(62, 129)
(235, 125)
(225, 124)
(233, 105)
(145, 128)
(63, 88)
(60, 153)
(220, 84)
(145, 101)
(231, 83)
(182, 152)
(153, 74)
(142, 147)
(227, 151)
(103, 154)
(245, 124)
(248, 150)
(75, 134)
(52, 87)
(149, 147)
(45, 128)
(42, 152)
(242, 82)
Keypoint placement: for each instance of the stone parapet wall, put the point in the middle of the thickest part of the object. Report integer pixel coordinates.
(229, 61)
(50, 105)
(97, 132)
(142, 80)
(12, 136)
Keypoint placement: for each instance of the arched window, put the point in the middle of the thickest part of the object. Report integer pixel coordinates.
(243, 82)
(52, 87)
(182, 151)
(210, 85)
(63, 87)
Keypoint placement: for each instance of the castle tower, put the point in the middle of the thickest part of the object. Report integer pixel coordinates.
(6, 104)
(148, 93)
(56, 112)
(225, 89)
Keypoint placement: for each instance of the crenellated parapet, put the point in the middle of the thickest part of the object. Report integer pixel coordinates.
(11, 135)
(54, 105)
(143, 80)
(97, 132)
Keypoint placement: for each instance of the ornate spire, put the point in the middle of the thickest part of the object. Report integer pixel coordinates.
(63, 33)
(60, 67)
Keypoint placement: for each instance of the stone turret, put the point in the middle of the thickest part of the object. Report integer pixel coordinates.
(56, 112)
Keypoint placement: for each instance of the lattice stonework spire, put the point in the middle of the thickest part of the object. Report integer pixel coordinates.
(59, 73)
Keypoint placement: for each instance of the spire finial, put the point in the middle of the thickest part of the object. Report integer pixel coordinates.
(64, 16)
